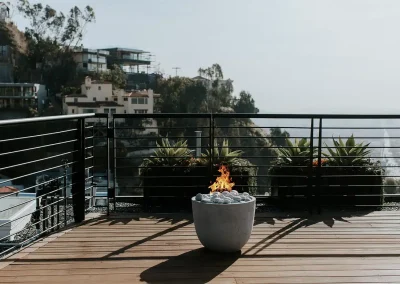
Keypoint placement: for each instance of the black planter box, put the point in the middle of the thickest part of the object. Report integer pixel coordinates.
(175, 186)
(172, 186)
(337, 187)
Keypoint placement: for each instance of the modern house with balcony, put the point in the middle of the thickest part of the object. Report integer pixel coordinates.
(135, 63)
(91, 60)
(131, 60)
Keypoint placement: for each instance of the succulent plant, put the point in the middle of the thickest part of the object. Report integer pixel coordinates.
(225, 155)
(296, 153)
(347, 154)
(168, 154)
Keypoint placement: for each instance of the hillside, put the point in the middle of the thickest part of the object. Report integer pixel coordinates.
(11, 35)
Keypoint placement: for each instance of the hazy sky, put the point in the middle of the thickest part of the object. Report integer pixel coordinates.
(338, 56)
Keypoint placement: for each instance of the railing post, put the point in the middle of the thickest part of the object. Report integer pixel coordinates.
(319, 169)
(114, 135)
(78, 177)
(211, 147)
(310, 178)
(108, 165)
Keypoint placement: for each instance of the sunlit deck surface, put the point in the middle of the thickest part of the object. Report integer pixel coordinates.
(331, 248)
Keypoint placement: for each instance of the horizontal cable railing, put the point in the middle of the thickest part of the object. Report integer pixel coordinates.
(46, 177)
(65, 166)
(270, 165)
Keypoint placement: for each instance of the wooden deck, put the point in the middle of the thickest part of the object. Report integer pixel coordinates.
(333, 248)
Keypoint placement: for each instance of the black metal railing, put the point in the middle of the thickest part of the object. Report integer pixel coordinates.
(309, 182)
(65, 166)
(46, 167)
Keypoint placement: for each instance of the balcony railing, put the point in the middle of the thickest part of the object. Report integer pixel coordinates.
(47, 176)
(97, 60)
(133, 57)
(72, 164)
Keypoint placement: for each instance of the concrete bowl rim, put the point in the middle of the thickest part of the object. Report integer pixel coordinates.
(229, 204)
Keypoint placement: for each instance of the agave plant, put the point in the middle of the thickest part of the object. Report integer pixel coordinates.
(225, 155)
(297, 153)
(347, 154)
(168, 154)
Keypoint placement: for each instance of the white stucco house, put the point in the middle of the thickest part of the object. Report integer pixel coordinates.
(99, 97)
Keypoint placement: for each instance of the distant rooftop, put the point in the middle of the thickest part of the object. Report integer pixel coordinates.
(132, 50)
(76, 96)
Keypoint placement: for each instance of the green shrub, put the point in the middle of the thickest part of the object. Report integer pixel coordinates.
(346, 166)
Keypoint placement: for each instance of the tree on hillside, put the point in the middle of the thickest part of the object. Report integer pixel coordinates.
(278, 137)
(116, 76)
(180, 95)
(245, 103)
(51, 37)
(212, 73)
(219, 91)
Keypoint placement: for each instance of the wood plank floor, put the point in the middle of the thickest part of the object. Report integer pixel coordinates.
(332, 248)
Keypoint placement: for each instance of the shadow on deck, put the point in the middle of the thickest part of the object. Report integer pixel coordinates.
(331, 248)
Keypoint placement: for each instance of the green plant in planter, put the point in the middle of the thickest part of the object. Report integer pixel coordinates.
(290, 169)
(243, 171)
(348, 154)
(350, 167)
(225, 155)
(296, 154)
(168, 172)
(166, 154)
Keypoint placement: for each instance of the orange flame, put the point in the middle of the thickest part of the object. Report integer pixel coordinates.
(223, 182)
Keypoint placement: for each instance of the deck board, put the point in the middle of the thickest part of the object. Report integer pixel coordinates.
(331, 248)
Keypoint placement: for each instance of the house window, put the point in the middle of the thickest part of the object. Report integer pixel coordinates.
(115, 99)
(87, 88)
(94, 99)
(73, 111)
(99, 88)
(106, 99)
(113, 110)
(84, 65)
(124, 111)
(140, 110)
(140, 101)
(106, 110)
(125, 99)
(89, 110)
(75, 100)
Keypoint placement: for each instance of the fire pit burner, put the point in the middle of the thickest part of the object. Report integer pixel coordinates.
(224, 218)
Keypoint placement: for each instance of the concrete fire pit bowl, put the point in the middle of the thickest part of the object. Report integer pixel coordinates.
(224, 227)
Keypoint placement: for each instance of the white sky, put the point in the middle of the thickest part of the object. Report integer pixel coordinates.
(316, 56)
